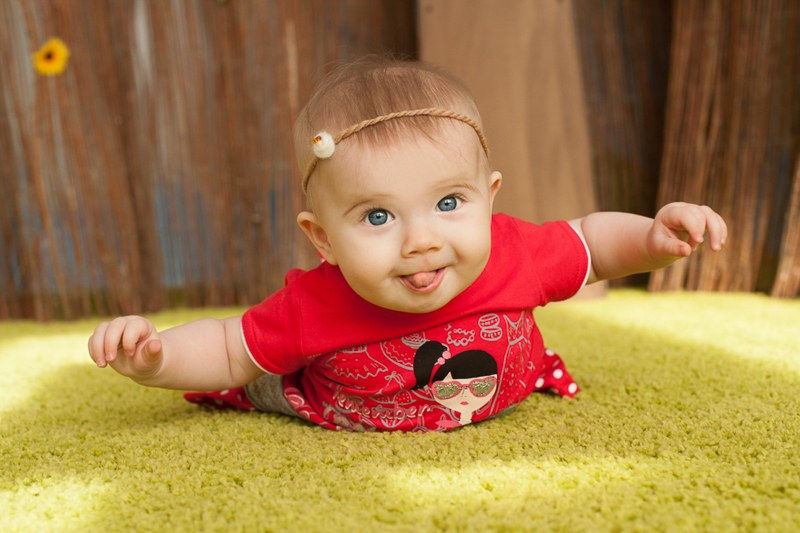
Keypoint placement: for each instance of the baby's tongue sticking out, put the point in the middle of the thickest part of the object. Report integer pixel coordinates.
(421, 279)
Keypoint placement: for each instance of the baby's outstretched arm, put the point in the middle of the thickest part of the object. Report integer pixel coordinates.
(621, 244)
(204, 355)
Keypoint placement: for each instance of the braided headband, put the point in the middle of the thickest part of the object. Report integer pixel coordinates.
(325, 144)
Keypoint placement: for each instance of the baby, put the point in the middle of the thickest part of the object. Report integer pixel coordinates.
(420, 316)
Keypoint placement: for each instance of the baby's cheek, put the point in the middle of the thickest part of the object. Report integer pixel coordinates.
(369, 279)
(362, 265)
(476, 241)
(475, 253)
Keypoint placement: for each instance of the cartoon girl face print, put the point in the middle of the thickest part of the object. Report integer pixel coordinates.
(462, 382)
(465, 396)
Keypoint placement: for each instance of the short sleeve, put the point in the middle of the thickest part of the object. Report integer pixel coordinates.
(559, 256)
(270, 333)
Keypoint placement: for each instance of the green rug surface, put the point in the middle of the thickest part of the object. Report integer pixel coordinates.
(687, 420)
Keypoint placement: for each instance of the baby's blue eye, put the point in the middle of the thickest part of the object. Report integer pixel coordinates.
(378, 217)
(447, 204)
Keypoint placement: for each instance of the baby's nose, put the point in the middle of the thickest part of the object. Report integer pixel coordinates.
(421, 239)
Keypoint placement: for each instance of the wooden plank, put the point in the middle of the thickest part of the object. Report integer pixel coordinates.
(787, 280)
(731, 126)
(520, 59)
(624, 49)
(159, 168)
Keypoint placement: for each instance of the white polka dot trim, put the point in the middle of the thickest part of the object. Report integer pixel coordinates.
(539, 383)
(550, 352)
(572, 388)
(558, 373)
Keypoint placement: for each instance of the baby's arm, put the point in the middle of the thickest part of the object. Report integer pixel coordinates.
(203, 355)
(621, 244)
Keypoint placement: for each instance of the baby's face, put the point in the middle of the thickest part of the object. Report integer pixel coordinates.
(408, 225)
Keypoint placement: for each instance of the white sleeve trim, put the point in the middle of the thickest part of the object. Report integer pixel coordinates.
(244, 341)
(588, 256)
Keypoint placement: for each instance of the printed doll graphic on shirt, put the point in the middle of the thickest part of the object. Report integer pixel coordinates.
(359, 411)
(399, 353)
(513, 366)
(354, 363)
(462, 382)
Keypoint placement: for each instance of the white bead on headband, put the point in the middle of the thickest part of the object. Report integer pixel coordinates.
(324, 143)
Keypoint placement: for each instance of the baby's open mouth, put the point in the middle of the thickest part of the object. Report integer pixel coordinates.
(423, 281)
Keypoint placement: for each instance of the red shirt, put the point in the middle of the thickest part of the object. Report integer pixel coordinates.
(352, 364)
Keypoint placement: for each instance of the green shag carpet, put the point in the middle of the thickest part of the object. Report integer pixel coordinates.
(687, 421)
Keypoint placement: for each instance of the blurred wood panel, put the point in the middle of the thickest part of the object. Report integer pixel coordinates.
(159, 169)
(624, 49)
(731, 134)
(787, 279)
(63, 215)
(520, 59)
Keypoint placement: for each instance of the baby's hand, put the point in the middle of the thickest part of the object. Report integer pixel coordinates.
(129, 344)
(679, 228)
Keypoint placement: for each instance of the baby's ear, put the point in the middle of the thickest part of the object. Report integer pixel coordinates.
(310, 225)
(495, 180)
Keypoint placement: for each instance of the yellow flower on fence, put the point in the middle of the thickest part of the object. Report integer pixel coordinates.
(51, 59)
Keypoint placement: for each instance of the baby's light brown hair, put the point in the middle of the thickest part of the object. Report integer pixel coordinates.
(375, 86)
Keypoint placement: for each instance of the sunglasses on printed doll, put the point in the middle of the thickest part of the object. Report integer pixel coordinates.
(444, 390)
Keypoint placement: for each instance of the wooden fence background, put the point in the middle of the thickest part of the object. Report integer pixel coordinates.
(732, 140)
(625, 52)
(158, 168)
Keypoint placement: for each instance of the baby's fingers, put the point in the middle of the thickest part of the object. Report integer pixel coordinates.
(136, 329)
(96, 345)
(717, 229)
(688, 218)
(151, 353)
(113, 337)
(672, 247)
